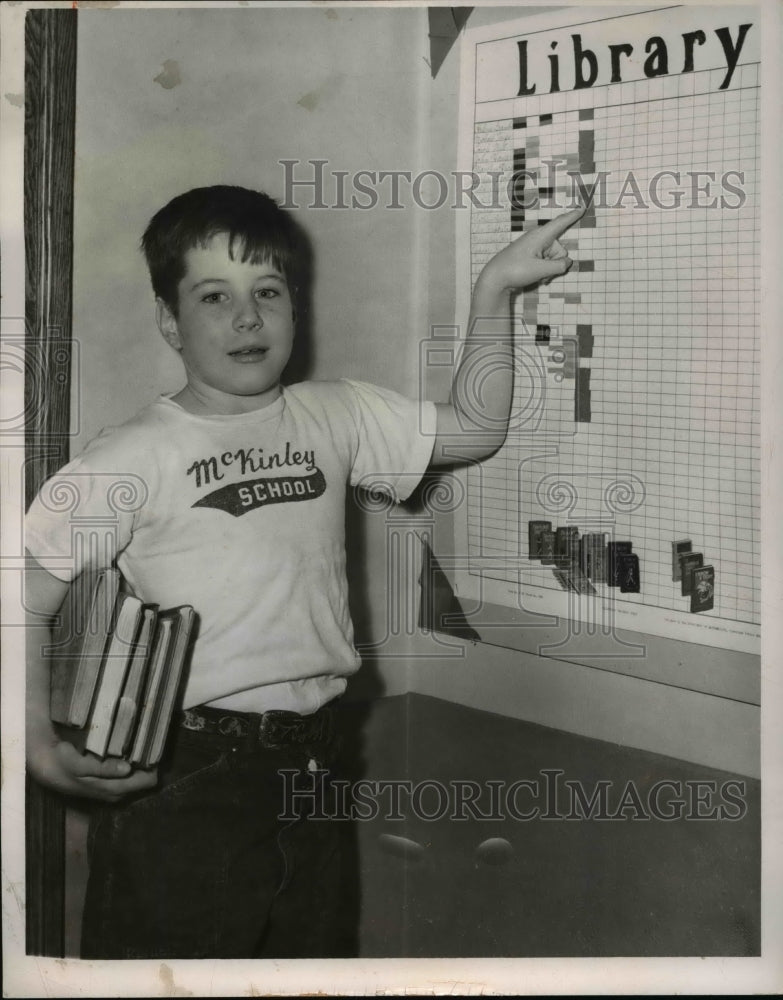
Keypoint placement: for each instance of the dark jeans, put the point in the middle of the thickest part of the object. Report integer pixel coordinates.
(203, 867)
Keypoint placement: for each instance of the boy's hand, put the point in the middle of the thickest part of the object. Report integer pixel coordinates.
(53, 762)
(473, 424)
(535, 256)
(59, 765)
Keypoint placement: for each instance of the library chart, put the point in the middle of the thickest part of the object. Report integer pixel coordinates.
(627, 492)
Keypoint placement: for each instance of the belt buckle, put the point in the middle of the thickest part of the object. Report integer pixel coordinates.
(269, 728)
(281, 728)
(230, 725)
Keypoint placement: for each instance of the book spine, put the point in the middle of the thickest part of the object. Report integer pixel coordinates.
(115, 668)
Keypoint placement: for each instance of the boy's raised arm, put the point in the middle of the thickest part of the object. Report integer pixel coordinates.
(473, 424)
(50, 760)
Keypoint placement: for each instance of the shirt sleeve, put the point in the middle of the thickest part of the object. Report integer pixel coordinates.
(84, 515)
(396, 436)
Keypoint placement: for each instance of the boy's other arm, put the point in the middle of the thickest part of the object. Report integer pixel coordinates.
(473, 424)
(50, 760)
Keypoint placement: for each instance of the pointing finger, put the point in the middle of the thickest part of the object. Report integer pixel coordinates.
(554, 229)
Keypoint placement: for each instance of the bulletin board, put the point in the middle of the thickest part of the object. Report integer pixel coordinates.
(635, 416)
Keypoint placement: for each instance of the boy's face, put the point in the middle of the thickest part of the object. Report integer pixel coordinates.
(234, 328)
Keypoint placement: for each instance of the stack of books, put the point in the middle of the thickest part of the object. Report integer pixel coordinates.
(117, 669)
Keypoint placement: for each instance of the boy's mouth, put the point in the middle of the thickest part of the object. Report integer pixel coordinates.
(248, 353)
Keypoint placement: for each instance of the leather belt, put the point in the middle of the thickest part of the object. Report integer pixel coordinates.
(272, 730)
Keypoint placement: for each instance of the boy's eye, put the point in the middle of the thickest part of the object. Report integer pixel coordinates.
(213, 297)
(267, 293)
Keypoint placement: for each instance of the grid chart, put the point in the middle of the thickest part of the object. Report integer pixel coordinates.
(645, 358)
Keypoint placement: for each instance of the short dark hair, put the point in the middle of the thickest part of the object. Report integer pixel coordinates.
(256, 226)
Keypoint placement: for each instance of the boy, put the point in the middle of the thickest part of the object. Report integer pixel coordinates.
(240, 509)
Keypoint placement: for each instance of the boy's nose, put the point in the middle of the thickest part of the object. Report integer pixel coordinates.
(248, 317)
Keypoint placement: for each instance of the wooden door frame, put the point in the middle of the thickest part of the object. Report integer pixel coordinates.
(50, 115)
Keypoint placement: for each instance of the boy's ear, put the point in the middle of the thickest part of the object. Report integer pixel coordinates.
(167, 324)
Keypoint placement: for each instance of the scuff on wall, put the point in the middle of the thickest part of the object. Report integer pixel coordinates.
(170, 76)
(312, 98)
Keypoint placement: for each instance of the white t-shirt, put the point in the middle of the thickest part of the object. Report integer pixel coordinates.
(242, 516)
